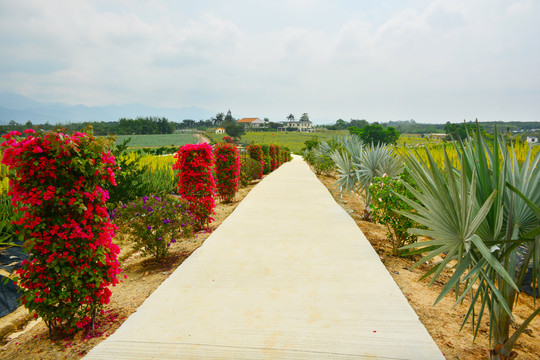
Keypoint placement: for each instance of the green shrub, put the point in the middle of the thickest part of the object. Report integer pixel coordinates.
(154, 223)
(130, 177)
(7, 231)
(320, 156)
(158, 182)
(249, 170)
(385, 203)
(256, 153)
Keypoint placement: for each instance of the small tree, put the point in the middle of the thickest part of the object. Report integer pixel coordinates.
(129, 176)
(376, 134)
(234, 130)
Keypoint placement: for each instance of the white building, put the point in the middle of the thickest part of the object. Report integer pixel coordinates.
(302, 126)
(532, 140)
(251, 122)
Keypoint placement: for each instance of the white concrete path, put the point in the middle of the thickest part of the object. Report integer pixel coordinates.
(288, 275)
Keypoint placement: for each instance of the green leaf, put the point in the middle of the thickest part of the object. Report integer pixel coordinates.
(493, 262)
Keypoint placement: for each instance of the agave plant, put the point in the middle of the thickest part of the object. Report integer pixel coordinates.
(321, 160)
(357, 165)
(474, 217)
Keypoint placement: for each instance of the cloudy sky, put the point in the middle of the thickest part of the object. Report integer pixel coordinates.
(432, 61)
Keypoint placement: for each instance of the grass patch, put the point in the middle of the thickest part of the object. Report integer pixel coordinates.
(294, 141)
(158, 140)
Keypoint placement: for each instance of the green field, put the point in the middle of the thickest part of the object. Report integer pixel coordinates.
(292, 140)
(152, 141)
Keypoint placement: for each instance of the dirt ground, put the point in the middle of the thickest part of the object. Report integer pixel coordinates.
(441, 321)
(144, 276)
(31, 340)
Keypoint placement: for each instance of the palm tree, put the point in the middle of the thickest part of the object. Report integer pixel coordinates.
(358, 164)
(477, 215)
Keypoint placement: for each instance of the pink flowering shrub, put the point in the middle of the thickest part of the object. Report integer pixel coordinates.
(227, 168)
(228, 140)
(56, 184)
(274, 157)
(256, 153)
(285, 155)
(196, 181)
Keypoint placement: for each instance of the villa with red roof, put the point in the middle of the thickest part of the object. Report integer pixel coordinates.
(251, 122)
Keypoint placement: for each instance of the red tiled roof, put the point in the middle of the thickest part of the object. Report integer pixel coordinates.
(247, 120)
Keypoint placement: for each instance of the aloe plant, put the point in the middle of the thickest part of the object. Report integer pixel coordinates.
(474, 217)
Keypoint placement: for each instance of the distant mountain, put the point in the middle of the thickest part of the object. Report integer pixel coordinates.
(22, 109)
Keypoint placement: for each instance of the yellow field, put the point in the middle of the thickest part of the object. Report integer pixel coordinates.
(413, 140)
(160, 167)
(437, 151)
(3, 177)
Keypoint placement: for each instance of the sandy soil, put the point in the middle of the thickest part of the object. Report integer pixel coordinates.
(441, 321)
(31, 340)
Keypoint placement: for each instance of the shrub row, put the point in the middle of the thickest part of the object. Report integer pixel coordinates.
(59, 186)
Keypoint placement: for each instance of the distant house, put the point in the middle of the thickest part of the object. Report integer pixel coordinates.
(532, 140)
(251, 122)
(302, 126)
(439, 136)
(220, 130)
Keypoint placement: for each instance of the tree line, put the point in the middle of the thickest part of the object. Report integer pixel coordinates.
(142, 125)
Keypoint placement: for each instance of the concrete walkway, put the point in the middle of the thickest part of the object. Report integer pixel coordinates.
(288, 275)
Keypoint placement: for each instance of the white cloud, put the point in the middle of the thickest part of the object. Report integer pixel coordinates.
(432, 61)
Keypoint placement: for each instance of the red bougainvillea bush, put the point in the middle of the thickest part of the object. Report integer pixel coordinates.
(256, 153)
(227, 160)
(56, 184)
(196, 181)
(274, 157)
(285, 155)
